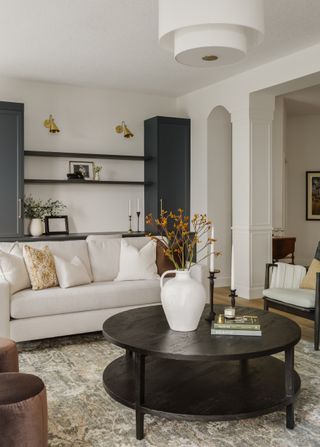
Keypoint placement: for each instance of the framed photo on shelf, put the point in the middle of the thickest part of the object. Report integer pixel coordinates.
(84, 167)
(56, 225)
(313, 195)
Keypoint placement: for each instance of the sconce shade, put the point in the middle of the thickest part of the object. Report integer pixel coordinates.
(122, 128)
(51, 125)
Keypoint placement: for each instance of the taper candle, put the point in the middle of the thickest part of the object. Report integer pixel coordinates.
(138, 206)
(232, 269)
(129, 208)
(212, 250)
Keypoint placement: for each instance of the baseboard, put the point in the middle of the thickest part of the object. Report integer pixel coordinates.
(250, 293)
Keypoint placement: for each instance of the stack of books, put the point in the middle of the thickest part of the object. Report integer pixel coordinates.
(240, 325)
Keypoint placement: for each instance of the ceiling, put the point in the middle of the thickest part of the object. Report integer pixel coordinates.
(114, 43)
(303, 102)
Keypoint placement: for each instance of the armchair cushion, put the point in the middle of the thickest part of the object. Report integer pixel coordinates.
(297, 297)
(309, 281)
(287, 276)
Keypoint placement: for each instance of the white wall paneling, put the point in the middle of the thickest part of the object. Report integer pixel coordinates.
(219, 187)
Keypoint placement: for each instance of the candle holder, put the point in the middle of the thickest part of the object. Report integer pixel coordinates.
(138, 218)
(212, 277)
(130, 228)
(233, 295)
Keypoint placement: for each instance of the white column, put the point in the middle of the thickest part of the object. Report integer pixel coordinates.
(252, 193)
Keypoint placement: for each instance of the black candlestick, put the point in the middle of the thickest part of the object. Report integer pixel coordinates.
(130, 228)
(138, 217)
(233, 295)
(212, 277)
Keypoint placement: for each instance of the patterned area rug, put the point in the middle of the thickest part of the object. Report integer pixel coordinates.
(81, 414)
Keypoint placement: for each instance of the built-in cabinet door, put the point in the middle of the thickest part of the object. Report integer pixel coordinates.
(167, 165)
(174, 164)
(11, 165)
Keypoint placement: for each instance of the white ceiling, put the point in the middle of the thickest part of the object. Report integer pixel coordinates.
(114, 43)
(303, 102)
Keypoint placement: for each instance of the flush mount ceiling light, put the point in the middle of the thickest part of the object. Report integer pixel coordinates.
(209, 33)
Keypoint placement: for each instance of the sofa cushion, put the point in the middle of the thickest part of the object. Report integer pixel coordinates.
(41, 268)
(137, 264)
(66, 250)
(104, 253)
(13, 269)
(71, 274)
(297, 297)
(94, 296)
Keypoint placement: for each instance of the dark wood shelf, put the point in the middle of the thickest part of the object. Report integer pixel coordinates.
(81, 155)
(81, 182)
(70, 236)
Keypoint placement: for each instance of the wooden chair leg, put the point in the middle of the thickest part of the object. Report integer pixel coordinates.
(265, 304)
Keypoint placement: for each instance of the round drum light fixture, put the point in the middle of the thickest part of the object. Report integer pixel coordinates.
(209, 33)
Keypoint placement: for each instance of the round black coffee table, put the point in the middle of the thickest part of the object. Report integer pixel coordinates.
(199, 376)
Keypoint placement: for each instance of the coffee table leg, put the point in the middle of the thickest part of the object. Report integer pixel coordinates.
(289, 370)
(139, 373)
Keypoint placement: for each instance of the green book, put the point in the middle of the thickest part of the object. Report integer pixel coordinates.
(241, 322)
(236, 332)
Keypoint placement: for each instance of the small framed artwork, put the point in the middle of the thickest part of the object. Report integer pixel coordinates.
(313, 195)
(56, 225)
(84, 167)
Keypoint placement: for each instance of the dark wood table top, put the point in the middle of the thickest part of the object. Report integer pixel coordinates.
(145, 330)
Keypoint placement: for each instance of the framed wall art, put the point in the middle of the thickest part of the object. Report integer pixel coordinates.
(313, 195)
(56, 225)
(84, 167)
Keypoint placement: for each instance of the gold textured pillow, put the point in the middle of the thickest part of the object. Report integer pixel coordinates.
(309, 281)
(41, 267)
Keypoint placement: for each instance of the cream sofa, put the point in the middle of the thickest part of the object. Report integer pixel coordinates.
(30, 315)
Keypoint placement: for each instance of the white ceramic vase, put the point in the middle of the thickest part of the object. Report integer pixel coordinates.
(36, 227)
(183, 300)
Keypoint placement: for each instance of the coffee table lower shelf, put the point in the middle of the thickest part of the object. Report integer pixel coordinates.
(200, 390)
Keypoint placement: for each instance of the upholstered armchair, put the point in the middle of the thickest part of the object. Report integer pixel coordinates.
(282, 292)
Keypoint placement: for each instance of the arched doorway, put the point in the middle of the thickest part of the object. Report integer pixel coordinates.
(219, 174)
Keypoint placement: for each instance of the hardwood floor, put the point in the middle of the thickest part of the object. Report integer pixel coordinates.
(221, 297)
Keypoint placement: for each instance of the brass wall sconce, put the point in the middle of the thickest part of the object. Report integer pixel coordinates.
(51, 125)
(122, 128)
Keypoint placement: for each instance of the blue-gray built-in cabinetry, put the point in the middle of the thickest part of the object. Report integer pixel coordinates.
(167, 164)
(12, 168)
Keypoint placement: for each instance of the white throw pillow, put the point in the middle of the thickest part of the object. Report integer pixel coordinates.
(71, 273)
(13, 269)
(137, 264)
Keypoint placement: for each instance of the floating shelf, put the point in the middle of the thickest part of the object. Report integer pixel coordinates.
(81, 155)
(83, 182)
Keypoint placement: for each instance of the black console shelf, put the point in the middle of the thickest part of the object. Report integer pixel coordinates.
(83, 182)
(81, 155)
(70, 236)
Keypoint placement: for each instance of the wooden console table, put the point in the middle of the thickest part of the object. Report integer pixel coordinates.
(283, 248)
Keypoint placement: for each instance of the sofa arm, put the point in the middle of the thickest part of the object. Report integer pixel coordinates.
(4, 309)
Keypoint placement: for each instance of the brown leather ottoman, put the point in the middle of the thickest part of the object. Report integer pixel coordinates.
(23, 411)
(8, 356)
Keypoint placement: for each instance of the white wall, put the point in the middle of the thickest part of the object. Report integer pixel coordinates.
(219, 187)
(86, 118)
(252, 147)
(303, 154)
